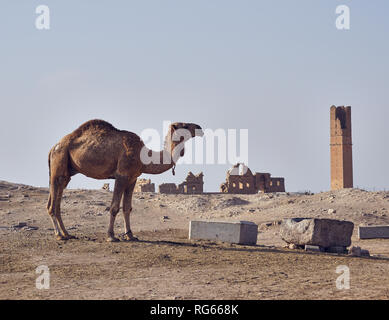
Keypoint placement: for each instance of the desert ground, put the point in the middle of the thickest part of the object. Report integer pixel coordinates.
(164, 264)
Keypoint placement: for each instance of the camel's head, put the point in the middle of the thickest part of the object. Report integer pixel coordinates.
(180, 133)
(187, 130)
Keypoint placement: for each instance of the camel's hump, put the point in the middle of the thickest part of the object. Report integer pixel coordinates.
(96, 124)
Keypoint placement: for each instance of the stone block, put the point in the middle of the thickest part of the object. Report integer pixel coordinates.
(239, 232)
(317, 232)
(373, 232)
(312, 248)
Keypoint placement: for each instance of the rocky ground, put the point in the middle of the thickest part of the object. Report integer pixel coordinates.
(164, 264)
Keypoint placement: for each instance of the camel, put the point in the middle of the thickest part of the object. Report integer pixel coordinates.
(100, 151)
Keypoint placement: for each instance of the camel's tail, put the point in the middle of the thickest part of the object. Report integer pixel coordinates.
(49, 167)
(49, 201)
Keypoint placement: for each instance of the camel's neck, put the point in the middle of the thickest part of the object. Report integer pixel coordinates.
(161, 161)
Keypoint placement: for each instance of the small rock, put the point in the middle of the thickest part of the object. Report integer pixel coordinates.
(29, 228)
(355, 251)
(331, 211)
(19, 225)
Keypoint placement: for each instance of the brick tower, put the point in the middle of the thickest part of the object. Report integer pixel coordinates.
(341, 148)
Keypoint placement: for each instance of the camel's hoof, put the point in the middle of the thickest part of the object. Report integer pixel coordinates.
(130, 237)
(68, 237)
(112, 239)
(60, 237)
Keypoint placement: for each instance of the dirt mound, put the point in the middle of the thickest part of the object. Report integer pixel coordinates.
(235, 201)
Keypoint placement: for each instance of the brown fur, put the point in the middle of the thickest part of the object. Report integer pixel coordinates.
(100, 151)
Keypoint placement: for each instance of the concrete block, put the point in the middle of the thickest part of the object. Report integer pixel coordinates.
(240, 232)
(373, 232)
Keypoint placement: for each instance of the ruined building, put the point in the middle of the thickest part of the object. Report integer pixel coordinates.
(168, 188)
(193, 184)
(341, 148)
(144, 185)
(240, 179)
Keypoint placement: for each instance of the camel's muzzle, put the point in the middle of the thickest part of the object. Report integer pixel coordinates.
(198, 131)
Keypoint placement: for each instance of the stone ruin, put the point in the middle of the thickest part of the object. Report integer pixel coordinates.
(168, 188)
(193, 184)
(144, 185)
(105, 187)
(241, 180)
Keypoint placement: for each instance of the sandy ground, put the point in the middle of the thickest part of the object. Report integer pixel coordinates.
(164, 264)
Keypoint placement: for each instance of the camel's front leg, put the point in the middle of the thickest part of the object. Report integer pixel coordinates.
(120, 184)
(127, 208)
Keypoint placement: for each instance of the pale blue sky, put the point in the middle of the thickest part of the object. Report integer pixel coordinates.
(272, 67)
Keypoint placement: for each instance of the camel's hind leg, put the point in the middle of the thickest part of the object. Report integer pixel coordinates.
(57, 185)
(59, 178)
(51, 211)
(63, 183)
(120, 185)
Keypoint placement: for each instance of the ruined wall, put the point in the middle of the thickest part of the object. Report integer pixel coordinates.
(168, 188)
(276, 185)
(262, 181)
(241, 184)
(193, 184)
(144, 185)
(249, 183)
(341, 148)
(239, 180)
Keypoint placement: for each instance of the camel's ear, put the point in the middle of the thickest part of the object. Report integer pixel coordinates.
(177, 125)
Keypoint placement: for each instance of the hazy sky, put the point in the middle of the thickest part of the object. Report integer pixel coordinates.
(272, 67)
